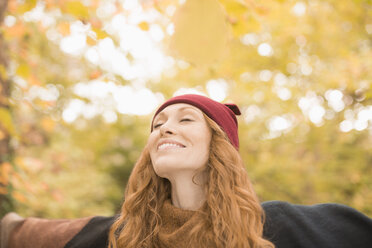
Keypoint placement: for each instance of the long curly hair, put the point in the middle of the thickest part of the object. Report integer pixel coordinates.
(231, 216)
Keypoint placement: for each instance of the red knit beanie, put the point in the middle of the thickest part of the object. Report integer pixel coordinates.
(222, 114)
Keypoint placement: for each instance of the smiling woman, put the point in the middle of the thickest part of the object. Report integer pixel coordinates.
(179, 148)
(190, 188)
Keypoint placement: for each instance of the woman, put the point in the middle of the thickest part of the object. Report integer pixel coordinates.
(189, 188)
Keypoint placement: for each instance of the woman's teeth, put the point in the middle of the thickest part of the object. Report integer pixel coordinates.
(165, 145)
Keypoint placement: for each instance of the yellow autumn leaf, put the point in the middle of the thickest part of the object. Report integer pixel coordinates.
(144, 26)
(23, 70)
(100, 33)
(77, 9)
(6, 120)
(26, 6)
(3, 73)
(234, 7)
(246, 24)
(19, 162)
(199, 38)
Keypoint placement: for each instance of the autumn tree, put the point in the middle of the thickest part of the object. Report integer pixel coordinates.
(85, 77)
(6, 125)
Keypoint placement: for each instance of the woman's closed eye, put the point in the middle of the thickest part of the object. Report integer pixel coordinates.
(157, 125)
(185, 119)
(182, 120)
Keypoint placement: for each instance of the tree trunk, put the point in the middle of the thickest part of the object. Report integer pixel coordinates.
(5, 148)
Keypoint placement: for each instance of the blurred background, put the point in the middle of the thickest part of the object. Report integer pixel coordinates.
(80, 81)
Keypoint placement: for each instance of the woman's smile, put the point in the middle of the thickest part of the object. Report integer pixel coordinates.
(169, 144)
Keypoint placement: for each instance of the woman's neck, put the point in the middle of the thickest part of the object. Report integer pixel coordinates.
(187, 194)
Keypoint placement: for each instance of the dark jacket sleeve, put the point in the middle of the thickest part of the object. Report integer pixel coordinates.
(322, 226)
(94, 234)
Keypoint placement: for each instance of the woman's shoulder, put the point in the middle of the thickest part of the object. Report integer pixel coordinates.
(320, 225)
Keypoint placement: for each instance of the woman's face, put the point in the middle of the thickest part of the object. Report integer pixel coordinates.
(180, 140)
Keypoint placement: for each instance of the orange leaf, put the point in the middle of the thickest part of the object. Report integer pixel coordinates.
(33, 80)
(94, 4)
(5, 170)
(19, 197)
(49, 4)
(12, 6)
(95, 22)
(64, 28)
(48, 124)
(16, 31)
(91, 41)
(95, 74)
(2, 135)
(3, 191)
(57, 195)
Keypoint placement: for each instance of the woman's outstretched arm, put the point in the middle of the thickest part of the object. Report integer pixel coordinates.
(322, 225)
(18, 232)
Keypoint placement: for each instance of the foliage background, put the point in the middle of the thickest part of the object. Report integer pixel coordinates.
(299, 70)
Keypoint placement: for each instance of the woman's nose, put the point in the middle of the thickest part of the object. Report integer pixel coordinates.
(167, 128)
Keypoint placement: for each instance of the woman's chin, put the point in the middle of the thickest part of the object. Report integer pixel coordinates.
(166, 170)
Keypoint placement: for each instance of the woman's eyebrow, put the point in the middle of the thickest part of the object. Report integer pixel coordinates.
(184, 109)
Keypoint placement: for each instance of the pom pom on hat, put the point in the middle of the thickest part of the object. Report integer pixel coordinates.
(222, 114)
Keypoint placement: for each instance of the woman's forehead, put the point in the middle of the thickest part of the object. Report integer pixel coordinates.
(178, 107)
